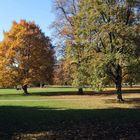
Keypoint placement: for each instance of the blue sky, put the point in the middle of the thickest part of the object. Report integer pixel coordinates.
(39, 11)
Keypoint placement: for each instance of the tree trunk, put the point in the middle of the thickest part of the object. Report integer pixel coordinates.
(41, 85)
(131, 83)
(80, 91)
(25, 89)
(119, 83)
(119, 91)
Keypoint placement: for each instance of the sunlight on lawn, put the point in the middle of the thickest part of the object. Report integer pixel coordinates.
(11, 97)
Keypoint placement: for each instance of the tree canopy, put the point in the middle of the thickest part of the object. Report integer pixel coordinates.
(101, 39)
(26, 55)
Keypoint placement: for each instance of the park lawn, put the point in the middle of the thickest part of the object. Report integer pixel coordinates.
(64, 98)
(58, 113)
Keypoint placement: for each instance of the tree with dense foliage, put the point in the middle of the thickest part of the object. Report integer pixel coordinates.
(26, 56)
(132, 72)
(109, 33)
(102, 40)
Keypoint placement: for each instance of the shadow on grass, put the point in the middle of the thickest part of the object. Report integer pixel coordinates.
(111, 92)
(52, 123)
(59, 93)
(134, 101)
(65, 93)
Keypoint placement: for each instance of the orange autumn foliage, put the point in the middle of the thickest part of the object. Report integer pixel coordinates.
(26, 55)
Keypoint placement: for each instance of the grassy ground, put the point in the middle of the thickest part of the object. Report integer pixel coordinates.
(58, 113)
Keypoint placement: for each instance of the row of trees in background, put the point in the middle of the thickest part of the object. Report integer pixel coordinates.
(101, 40)
(26, 56)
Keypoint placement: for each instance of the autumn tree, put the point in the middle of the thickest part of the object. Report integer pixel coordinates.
(62, 73)
(26, 56)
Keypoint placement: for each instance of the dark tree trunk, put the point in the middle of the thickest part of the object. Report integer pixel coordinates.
(131, 83)
(119, 91)
(119, 83)
(25, 89)
(80, 91)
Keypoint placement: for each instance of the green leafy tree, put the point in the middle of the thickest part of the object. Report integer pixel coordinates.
(64, 26)
(101, 39)
(108, 30)
(132, 72)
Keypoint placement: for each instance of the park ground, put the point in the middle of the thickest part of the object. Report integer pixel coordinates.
(61, 114)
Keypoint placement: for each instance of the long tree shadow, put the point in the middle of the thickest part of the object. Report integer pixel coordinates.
(54, 123)
(134, 101)
(65, 93)
(131, 91)
(112, 92)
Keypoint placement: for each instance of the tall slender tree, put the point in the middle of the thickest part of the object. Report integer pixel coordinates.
(64, 26)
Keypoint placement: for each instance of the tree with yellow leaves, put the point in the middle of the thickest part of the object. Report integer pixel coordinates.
(26, 56)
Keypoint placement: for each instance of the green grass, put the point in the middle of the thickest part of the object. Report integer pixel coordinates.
(59, 113)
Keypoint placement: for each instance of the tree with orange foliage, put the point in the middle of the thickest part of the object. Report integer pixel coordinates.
(26, 56)
(62, 73)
